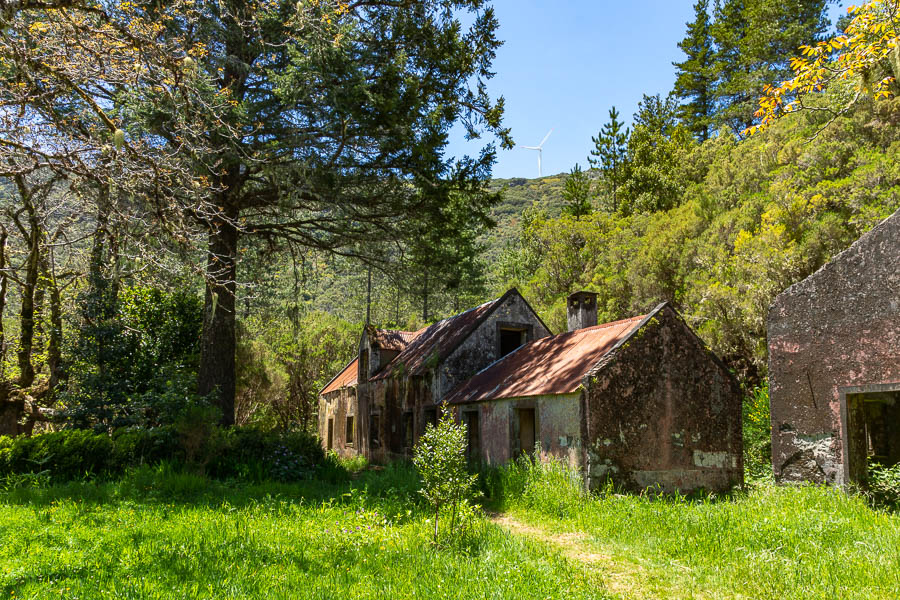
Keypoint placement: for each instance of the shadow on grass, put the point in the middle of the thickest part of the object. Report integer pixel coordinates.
(392, 490)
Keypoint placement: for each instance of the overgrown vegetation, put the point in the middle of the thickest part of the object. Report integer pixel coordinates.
(161, 532)
(158, 533)
(766, 542)
(194, 444)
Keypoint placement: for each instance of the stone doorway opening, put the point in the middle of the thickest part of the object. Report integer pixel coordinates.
(527, 437)
(871, 428)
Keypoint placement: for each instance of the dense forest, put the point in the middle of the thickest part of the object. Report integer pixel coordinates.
(148, 266)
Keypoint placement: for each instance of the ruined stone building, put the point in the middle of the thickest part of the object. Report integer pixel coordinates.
(834, 364)
(640, 401)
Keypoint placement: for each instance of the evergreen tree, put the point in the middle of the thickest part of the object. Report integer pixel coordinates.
(609, 154)
(577, 193)
(695, 77)
(755, 40)
(657, 115)
(336, 137)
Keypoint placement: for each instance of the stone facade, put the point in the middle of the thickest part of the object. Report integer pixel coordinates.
(641, 401)
(401, 388)
(662, 410)
(834, 364)
(338, 421)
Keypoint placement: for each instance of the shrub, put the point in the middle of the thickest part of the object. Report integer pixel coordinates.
(240, 453)
(440, 457)
(250, 453)
(884, 484)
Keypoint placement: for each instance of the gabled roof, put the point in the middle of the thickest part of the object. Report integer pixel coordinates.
(389, 339)
(441, 339)
(550, 365)
(346, 378)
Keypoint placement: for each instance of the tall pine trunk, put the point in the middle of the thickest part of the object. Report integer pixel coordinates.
(218, 341)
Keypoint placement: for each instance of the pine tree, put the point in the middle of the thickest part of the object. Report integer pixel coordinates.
(694, 83)
(577, 193)
(609, 154)
(754, 41)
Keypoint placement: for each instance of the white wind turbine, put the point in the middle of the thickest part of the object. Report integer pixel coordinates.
(540, 150)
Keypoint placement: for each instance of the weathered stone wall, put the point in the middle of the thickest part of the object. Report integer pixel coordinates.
(557, 424)
(662, 410)
(837, 329)
(481, 348)
(338, 405)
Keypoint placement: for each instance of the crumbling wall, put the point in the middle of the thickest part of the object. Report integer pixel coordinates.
(662, 411)
(837, 329)
(480, 348)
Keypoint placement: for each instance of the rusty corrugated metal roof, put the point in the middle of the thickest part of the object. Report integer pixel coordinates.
(346, 378)
(550, 365)
(438, 340)
(389, 339)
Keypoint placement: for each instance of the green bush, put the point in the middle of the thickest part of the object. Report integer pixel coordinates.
(884, 484)
(250, 453)
(238, 453)
(440, 458)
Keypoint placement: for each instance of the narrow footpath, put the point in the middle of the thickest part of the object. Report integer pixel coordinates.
(625, 579)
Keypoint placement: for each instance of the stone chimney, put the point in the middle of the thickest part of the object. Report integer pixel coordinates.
(582, 310)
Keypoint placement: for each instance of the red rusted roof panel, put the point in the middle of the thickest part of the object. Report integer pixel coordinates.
(345, 378)
(440, 338)
(551, 365)
(389, 339)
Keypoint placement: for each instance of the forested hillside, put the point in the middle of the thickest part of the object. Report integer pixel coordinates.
(124, 274)
(753, 216)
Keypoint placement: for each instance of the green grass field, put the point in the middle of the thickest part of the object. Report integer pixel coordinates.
(165, 535)
(161, 534)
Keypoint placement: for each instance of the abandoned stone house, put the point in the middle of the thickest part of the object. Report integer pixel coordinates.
(834, 365)
(640, 401)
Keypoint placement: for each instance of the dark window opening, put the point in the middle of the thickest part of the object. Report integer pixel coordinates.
(348, 437)
(374, 431)
(873, 430)
(510, 339)
(330, 443)
(408, 429)
(364, 364)
(386, 357)
(431, 416)
(473, 435)
(527, 438)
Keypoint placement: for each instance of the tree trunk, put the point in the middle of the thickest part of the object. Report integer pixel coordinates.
(32, 267)
(54, 346)
(218, 342)
(3, 284)
(425, 298)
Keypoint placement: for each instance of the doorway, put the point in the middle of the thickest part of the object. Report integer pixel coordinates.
(871, 429)
(473, 435)
(527, 437)
(330, 433)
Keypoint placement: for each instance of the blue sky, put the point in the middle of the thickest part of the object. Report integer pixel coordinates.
(565, 63)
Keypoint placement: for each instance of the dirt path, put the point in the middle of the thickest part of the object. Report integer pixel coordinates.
(623, 578)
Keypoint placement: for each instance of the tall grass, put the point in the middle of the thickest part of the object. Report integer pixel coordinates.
(766, 542)
(161, 533)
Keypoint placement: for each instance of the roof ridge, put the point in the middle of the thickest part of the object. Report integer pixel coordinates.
(605, 325)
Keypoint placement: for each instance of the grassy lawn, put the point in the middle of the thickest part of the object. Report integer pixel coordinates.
(159, 534)
(165, 535)
(769, 542)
